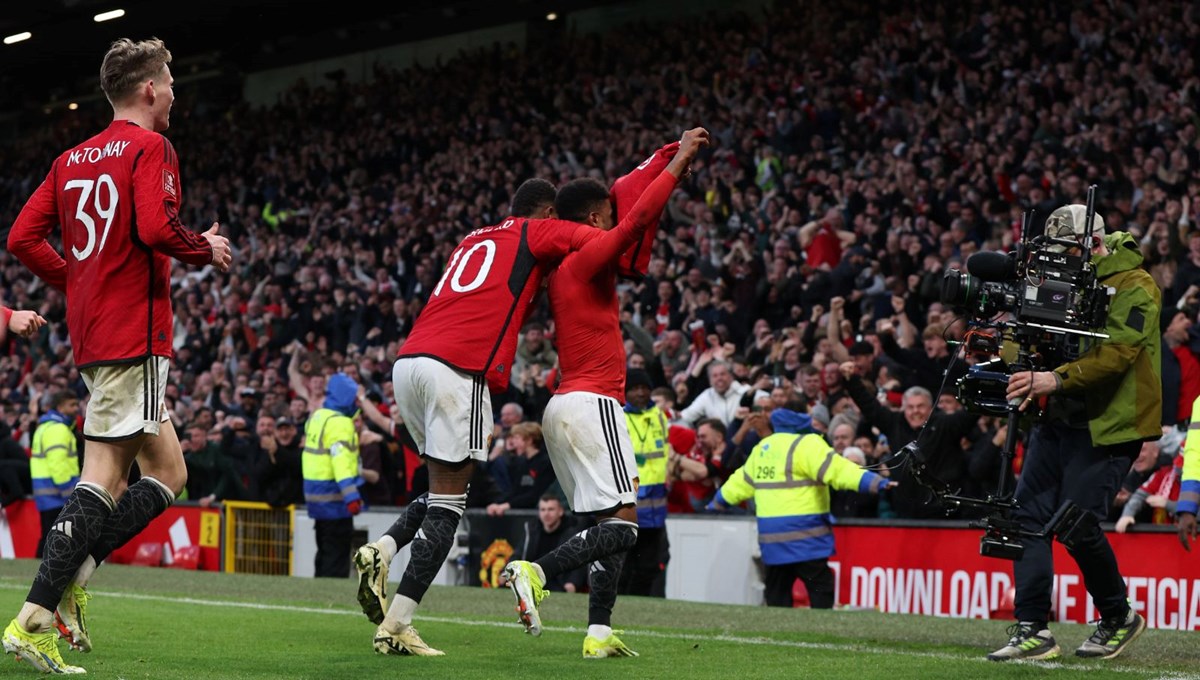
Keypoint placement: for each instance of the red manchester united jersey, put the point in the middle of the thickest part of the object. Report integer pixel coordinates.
(583, 300)
(625, 193)
(116, 197)
(478, 307)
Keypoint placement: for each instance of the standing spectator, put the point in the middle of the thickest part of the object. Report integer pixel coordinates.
(1181, 369)
(331, 475)
(212, 477)
(280, 472)
(510, 414)
(940, 444)
(696, 472)
(823, 240)
(15, 483)
(54, 460)
(534, 348)
(372, 450)
(117, 286)
(1160, 493)
(529, 470)
(720, 401)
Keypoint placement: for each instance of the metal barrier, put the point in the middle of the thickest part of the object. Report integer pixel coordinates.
(258, 538)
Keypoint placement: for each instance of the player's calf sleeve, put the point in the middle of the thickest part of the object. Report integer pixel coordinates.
(406, 525)
(603, 575)
(76, 529)
(431, 544)
(609, 537)
(143, 501)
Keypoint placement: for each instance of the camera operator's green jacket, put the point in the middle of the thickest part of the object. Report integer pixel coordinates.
(1120, 377)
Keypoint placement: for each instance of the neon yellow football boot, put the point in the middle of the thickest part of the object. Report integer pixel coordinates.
(611, 646)
(39, 649)
(526, 584)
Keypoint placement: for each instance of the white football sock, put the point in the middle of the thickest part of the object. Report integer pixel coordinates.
(387, 548)
(599, 632)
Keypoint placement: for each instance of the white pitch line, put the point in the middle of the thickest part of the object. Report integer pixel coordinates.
(768, 642)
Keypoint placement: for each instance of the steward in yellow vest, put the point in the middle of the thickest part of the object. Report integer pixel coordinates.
(645, 571)
(788, 475)
(54, 460)
(330, 465)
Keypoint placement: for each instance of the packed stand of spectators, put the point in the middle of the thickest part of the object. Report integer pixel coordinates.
(859, 150)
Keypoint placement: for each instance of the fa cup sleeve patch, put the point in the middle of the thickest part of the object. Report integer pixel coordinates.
(169, 183)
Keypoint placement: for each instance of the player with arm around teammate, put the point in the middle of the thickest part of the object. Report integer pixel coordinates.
(585, 428)
(460, 350)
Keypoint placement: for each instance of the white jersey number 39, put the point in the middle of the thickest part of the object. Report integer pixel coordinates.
(104, 205)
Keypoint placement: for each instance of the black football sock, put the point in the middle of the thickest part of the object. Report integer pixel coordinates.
(609, 537)
(406, 525)
(431, 544)
(146, 499)
(69, 541)
(603, 575)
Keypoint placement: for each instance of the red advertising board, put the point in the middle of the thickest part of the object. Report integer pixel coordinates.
(940, 572)
(179, 527)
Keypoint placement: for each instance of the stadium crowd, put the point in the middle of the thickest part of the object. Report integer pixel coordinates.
(858, 152)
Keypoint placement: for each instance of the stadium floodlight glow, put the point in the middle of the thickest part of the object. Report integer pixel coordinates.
(72, 106)
(551, 16)
(17, 37)
(111, 14)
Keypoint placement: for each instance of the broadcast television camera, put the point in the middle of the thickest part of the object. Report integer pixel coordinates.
(1044, 294)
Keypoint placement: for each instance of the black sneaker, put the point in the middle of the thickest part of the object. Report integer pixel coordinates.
(1112, 636)
(1026, 641)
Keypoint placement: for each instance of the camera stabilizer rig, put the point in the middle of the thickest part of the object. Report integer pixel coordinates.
(1048, 288)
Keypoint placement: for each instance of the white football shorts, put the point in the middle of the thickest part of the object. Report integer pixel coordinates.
(126, 399)
(588, 440)
(448, 414)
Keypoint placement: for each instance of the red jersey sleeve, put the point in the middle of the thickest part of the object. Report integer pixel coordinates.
(27, 239)
(625, 193)
(157, 195)
(551, 240)
(603, 251)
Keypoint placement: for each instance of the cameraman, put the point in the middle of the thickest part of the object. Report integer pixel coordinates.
(1100, 409)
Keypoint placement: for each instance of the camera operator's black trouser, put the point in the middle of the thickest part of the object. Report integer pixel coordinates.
(1060, 465)
(817, 577)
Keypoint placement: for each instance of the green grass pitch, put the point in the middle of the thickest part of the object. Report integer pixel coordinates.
(162, 624)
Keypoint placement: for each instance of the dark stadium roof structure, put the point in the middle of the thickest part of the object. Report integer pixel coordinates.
(63, 57)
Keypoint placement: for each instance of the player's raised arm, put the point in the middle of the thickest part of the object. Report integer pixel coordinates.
(605, 249)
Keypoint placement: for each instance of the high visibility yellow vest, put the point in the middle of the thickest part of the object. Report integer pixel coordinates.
(1189, 485)
(648, 432)
(330, 465)
(53, 464)
(788, 476)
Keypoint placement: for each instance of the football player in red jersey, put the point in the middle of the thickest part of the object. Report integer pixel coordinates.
(442, 382)
(585, 428)
(116, 197)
